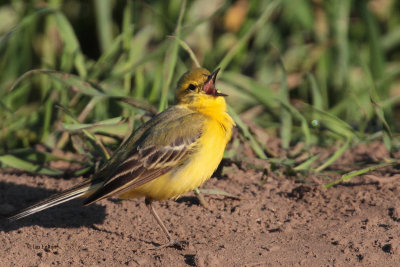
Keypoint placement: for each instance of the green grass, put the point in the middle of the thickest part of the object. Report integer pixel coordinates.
(80, 75)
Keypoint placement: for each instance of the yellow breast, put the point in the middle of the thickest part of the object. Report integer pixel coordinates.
(200, 166)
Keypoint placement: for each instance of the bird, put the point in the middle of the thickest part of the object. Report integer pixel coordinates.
(174, 152)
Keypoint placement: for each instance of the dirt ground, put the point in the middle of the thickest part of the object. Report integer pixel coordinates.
(276, 220)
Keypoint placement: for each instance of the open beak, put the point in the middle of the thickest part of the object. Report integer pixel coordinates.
(209, 85)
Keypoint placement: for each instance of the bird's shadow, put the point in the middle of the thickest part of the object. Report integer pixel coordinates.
(189, 200)
(67, 215)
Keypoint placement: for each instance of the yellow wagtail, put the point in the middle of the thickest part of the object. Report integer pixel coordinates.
(171, 154)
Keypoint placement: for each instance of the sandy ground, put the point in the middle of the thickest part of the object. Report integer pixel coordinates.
(274, 221)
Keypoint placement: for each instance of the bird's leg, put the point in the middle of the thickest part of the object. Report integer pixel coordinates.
(200, 197)
(172, 242)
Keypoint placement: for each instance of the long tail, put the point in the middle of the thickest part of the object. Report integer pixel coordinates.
(85, 188)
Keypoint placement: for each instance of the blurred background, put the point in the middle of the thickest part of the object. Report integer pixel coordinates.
(77, 76)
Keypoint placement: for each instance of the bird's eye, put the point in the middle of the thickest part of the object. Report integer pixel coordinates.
(191, 86)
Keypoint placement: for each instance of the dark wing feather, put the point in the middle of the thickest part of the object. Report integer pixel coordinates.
(125, 150)
(157, 151)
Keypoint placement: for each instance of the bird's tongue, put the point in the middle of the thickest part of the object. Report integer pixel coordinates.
(209, 87)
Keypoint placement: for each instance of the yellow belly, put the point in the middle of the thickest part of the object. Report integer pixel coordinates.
(201, 166)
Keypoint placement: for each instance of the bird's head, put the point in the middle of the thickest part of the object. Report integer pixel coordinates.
(197, 82)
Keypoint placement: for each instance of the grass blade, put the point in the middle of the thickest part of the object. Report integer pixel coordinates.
(338, 153)
(346, 177)
(82, 126)
(306, 164)
(170, 60)
(104, 23)
(286, 118)
(17, 163)
(246, 133)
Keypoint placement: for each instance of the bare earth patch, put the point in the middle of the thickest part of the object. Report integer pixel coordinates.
(279, 222)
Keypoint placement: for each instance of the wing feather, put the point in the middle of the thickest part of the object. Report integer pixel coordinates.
(157, 152)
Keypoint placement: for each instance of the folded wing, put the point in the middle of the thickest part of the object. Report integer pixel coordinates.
(158, 150)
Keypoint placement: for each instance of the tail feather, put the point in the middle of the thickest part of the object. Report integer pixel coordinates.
(85, 188)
